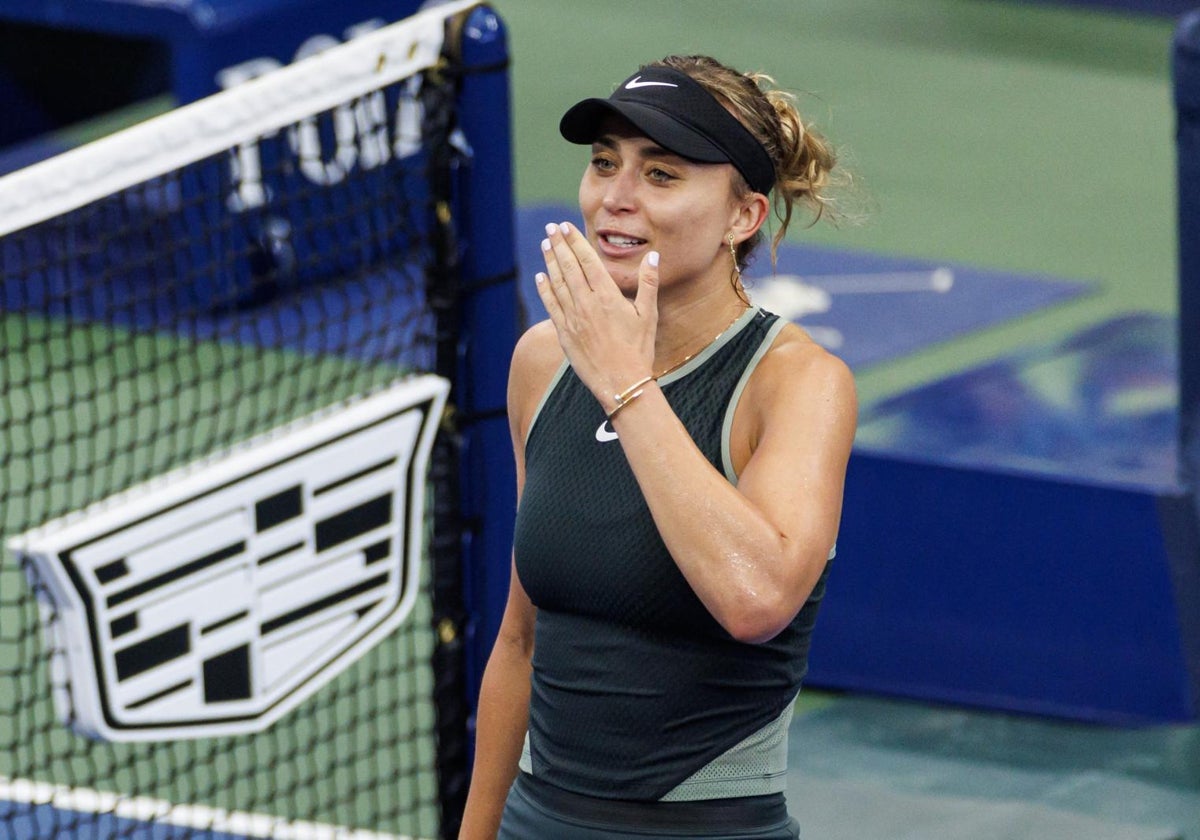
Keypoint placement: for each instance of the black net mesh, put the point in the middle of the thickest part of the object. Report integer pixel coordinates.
(166, 323)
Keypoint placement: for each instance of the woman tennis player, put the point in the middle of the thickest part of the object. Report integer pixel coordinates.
(680, 456)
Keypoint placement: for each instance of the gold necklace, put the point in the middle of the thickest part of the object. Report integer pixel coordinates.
(696, 353)
(635, 390)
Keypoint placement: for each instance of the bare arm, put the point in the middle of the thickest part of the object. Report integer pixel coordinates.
(752, 553)
(501, 719)
(503, 713)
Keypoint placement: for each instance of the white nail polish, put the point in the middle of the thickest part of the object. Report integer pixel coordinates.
(565, 227)
(652, 257)
(545, 244)
(551, 228)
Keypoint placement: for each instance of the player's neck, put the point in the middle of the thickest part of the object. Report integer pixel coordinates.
(685, 328)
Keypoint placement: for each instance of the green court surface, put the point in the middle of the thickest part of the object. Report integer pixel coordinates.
(136, 388)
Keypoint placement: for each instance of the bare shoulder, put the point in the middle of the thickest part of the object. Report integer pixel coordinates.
(797, 374)
(537, 355)
(535, 360)
(799, 411)
(795, 360)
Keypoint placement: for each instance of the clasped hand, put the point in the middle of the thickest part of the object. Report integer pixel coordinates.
(607, 338)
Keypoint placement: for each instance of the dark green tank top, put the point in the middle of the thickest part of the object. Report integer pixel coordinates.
(635, 685)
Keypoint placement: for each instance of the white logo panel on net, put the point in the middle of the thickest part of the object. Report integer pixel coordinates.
(215, 600)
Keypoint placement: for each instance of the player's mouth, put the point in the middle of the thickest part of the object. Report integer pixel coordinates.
(619, 244)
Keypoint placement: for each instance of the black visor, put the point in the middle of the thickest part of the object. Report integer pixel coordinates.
(678, 113)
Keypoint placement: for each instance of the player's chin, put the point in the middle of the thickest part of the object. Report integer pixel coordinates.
(624, 274)
(628, 284)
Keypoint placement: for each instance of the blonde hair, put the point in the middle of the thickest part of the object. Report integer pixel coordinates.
(804, 161)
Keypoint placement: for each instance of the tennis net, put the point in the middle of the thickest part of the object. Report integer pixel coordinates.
(230, 596)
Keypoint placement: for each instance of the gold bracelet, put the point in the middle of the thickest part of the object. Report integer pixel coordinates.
(628, 394)
(625, 398)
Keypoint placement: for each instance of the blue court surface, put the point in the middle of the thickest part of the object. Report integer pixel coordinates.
(41, 811)
(35, 822)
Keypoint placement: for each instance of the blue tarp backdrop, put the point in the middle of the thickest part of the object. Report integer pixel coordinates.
(62, 62)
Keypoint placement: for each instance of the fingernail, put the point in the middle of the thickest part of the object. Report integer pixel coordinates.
(653, 258)
(565, 227)
(551, 228)
(540, 277)
(545, 244)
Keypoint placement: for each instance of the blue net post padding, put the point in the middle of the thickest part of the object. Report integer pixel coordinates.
(490, 326)
(1185, 67)
(1186, 72)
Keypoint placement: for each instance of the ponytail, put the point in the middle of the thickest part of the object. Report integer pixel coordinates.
(804, 161)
